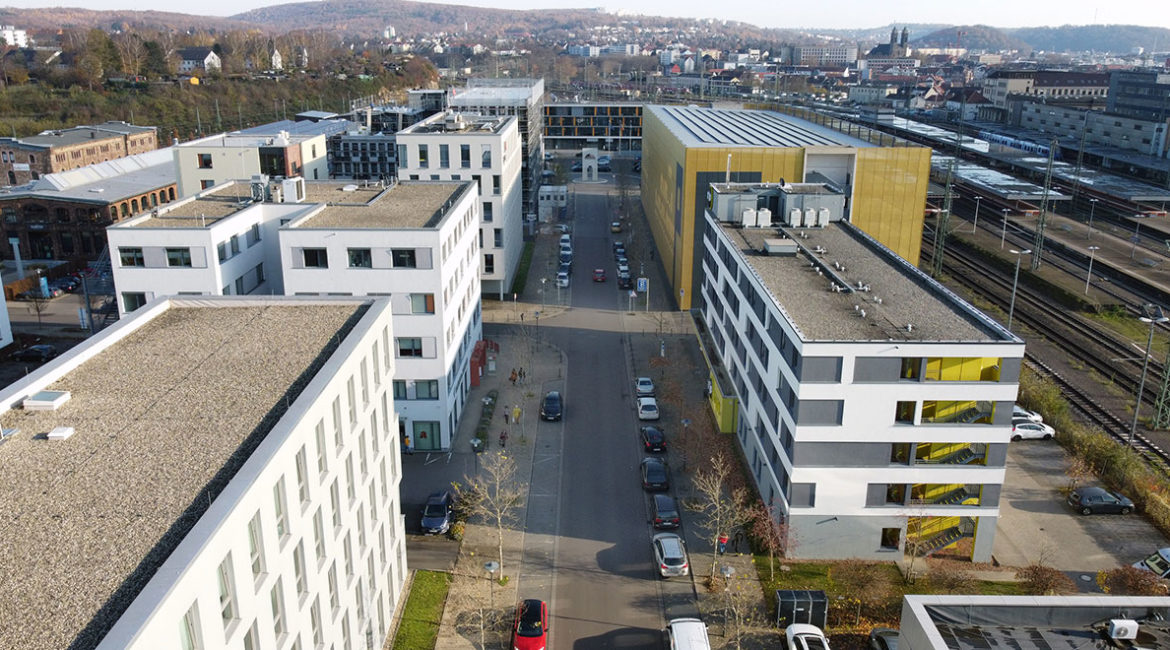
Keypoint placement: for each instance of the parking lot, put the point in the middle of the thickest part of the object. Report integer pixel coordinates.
(1037, 525)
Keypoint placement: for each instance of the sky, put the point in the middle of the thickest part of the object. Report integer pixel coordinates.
(766, 13)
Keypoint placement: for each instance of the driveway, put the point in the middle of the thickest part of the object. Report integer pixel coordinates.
(1036, 524)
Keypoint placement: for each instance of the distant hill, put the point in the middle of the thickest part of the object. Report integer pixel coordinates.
(1101, 38)
(54, 18)
(979, 37)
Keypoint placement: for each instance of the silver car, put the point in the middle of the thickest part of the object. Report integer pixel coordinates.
(670, 553)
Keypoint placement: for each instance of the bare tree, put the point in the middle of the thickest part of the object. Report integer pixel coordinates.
(769, 533)
(493, 495)
(721, 506)
(131, 50)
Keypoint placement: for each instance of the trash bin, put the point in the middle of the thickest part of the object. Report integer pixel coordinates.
(801, 606)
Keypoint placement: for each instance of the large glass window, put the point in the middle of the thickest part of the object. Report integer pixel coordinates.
(178, 257)
(360, 258)
(131, 256)
(422, 303)
(409, 346)
(465, 156)
(423, 156)
(444, 156)
(316, 258)
(404, 258)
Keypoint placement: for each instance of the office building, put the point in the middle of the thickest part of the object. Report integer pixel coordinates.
(523, 98)
(452, 146)
(1139, 94)
(686, 148)
(217, 159)
(605, 126)
(1048, 84)
(834, 56)
(27, 159)
(872, 405)
(236, 485)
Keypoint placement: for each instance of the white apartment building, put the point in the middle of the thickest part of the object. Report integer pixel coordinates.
(236, 485)
(216, 159)
(873, 404)
(453, 146)
(417, 243)
(217, 242)
(13, 37)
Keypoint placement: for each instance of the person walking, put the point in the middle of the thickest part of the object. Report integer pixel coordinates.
(722, 543)
(504, 438)
(512, 377)
(406, 445)
(522, 375)
(739, 537)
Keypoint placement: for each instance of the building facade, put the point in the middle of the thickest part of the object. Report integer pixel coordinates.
(835, 56)
(1097, 128)
(609, 127)
(686, 148)
(873, 406)
(198, 59)
(451, 146)
(204, 163)
(1141, 95)
(1058, 84)
(27, 159)
(273, 518)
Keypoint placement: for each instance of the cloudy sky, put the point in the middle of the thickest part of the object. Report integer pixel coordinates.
(841, 14)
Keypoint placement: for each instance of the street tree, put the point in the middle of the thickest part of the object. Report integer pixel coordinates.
(769, 533)
(492, 495)
(721, 505)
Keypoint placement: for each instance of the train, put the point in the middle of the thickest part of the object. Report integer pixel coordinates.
(1016, 143)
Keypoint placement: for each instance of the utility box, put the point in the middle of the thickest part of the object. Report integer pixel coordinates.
(801, 606)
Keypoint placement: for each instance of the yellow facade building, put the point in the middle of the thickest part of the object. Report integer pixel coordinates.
(687, 148)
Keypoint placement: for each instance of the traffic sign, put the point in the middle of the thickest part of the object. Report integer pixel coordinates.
(633, 294)
(643, 284)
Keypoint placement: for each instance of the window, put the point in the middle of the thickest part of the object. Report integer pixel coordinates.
(409, 347)
(334, 598)
(131, 256)
(299, 568)
(444, 156)
(338, 441)
(905, 413)
(465, 156)
(277, 600)
(352, 394)
(423, 155)
(206, 183)
(498, 237)
(235, 241)
(189, 630)
(335, 502)
(489, 263)
(322, 458)
(319, 535)
(256, 546)
(896, 494)
(360, 258)
(399, 389)
(316, 258)
(302, 476)
(485, 155)
(900, 453)
(488, 215)
(404, 258)
(280, 509)
(422, 303)
(178, 257)
(227, 592)
(254, 235)
(252, 638)
(132, 300)
(890, 538)
(426, 389)
(221, 251)
(204, 161)
(495, 184)
(315, 621)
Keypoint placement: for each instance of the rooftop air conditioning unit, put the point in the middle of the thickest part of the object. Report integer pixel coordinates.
(794, 217)
(1123, 628)
(748, 218)
(764, 218)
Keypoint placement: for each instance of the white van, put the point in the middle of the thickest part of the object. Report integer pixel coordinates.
(687, 634)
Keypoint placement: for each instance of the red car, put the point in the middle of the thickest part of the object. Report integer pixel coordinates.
(599, 275)
(530, 632)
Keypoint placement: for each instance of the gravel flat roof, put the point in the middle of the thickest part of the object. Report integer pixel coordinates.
(406, 205)
(348, 192)
(907, 297)
(164, 418)
(201, 211)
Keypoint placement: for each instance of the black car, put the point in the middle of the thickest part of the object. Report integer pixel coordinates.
(1093, 500)
(625, 281)
(665, 512)
(619, 245)
(552, 408)
(653, 439)
(436, 514)
(655, 475)
(883, 638)
(566, 268)
(35, 354)
(577, 166)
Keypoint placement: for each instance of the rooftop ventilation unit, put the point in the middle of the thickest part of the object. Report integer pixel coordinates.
(777, 246)
(764, 217)
(1123, 628)
(60, 433)
(46, 400)
(748, 218)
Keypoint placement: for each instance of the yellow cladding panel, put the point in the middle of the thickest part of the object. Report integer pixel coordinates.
(889, 196)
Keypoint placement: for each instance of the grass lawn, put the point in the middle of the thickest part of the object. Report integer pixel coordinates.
(521, 279)
(423, 611)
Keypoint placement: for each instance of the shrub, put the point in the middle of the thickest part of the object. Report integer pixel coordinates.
(1131, 581)
(1040, 580)
(949, 578)
(867, 579)
(457, 530)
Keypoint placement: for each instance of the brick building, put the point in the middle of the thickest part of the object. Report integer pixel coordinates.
(27, 159)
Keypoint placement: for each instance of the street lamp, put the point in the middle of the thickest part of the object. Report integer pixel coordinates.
(1015, 283)
(976, 226)
(542, 281)
(727, 572)
(491, 567)
(1092, 207)
(1153, 315)
(1003, 235)
(1092, 251)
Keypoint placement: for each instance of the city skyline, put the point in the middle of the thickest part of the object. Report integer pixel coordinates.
(851, 15)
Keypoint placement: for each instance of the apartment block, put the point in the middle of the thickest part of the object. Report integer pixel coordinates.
(872, 405)
(606, 126)
(27, 159)
(237, 486)
(1139, 94)
(217, 159)
(452, 146)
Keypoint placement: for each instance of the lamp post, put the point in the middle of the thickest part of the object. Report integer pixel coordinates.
(491, 567)
(1092, 251)
(976, 225)
(1153, 315)
(1015, 283)
(1003, 235)
(542, 282)
(727, 572)
(1092, 207)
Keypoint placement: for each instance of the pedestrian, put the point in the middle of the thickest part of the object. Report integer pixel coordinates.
(406, 445)
(722, 543)
(512, 377)
(505, 416)
(521, 317)
(504, 438)
(739, 537)
(522, 375)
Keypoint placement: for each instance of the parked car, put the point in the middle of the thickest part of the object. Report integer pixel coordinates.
(35, 354)
(553, 407)
(1021, 412)
(623, 266)
(670, 554)
(647, 408)
(619, 245)
(655, 474)
(805, 637)
(562, 279)
(883, 638)
(615, 226)
(566, 258)
(530, 629)
(604, 160)
(562, 227)
(653, 439)
(644, 386)
(1093, 500)
(599, 275)
(566, 238)
(1159, 563)
(436, 513)
(576, 166)
(604, 167)
(1032, 431)
(566, 268)
(665, 512)
(625, 281)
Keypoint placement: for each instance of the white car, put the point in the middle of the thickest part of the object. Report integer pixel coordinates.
(1021, 412)
(670, 554)
(563, 279)
(645, 386)
(1159, 563)
(1032, 431)
(805, 637)
(647, 408)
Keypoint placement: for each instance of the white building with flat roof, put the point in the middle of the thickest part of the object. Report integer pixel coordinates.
(417, 243)
(874, 406)
(452, 146)
(236, 486)
(204, 163)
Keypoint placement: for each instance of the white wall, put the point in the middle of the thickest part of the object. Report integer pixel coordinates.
(227, 163)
